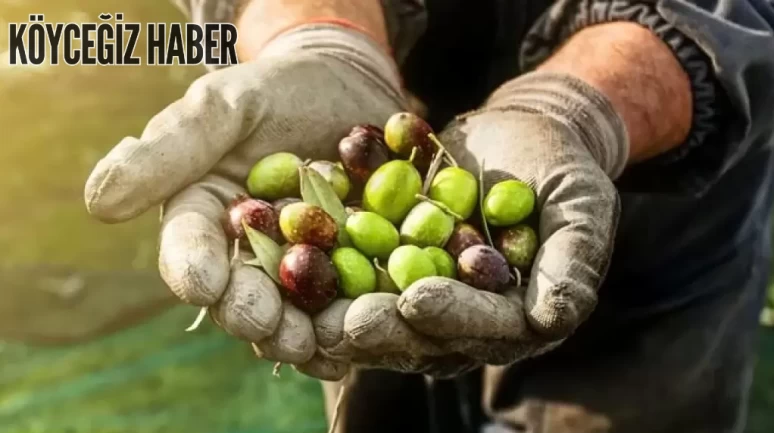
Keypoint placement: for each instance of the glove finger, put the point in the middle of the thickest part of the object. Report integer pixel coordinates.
(251, 307)
(193, 249)
(380, 338)
(577, 225)
(320, 367)
(485, 326)
(178, 146)
(293, 342)
(329, 331)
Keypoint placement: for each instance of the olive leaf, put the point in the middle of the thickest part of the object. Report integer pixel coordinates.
(317, 191)
(384, 282)
(481, 203)
(268, 253)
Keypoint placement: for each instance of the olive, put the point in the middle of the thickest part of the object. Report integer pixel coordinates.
(409, 263)
(405, 131)
(372, 234)
(484, 268)
(463, 236)
(508, 202)
(257, 214)
(275, 176)
(305, 223)
(391, 191)
(308, 277)
(426, 225)
(356, 274)
(444, 263)
(457, 189)
(519, 245)
(362, 152)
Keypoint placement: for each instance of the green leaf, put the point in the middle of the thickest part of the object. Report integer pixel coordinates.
(268, 253)
(317, 191)
(481, 203)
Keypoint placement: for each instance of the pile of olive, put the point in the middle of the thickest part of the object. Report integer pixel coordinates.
(415, 218)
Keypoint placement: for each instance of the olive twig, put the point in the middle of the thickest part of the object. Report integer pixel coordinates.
(440, 146)
(440, 205)
(198, 321)
(433, 170)
(481, 203)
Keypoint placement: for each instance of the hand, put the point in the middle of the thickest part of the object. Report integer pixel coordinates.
(564, 139)
(304, 92)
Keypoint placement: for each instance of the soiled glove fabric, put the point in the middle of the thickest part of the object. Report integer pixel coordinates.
(305, 91)
(563, 138)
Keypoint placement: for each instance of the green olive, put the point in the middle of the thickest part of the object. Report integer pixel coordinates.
(356, 274)
(426, 225)
(275, 176)
(391, 191)
(444, 263)
(457, 189)
(372, 234)
(409, 263)
(508, 202)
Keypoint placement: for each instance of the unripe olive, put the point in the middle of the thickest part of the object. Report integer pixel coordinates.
(457, 189)
(508, 202)
(391, 191)
(356, 274)
(409, 263)
(275, 176)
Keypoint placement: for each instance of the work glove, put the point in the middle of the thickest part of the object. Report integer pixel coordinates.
(304, 92)
(563, 138)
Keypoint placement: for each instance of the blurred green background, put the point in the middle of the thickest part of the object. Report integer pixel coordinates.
(90, 339)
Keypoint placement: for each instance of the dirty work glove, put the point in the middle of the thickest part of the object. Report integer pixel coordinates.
(563, 138)
(303, 93)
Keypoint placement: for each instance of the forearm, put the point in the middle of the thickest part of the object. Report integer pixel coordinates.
(260, 20)
(640, 76)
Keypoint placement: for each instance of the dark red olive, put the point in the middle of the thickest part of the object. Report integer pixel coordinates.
(256, 213)
(309, 277)
(362, 152)
(484, 268)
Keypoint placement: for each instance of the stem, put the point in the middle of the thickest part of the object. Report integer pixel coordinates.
(433, 170)
(198, 321)
(413, 154)
(440, 205)
(339, 400)
(235, 257)
(438, 143)
(481, 203)
(518, 276)
(377, 265)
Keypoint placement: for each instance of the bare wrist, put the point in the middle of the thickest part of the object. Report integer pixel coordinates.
(259, 21)
(638, 73)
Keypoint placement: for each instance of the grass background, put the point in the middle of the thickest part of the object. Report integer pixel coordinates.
(90, 340)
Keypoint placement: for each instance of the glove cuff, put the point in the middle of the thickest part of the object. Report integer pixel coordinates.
(342, 43)
(576, 105)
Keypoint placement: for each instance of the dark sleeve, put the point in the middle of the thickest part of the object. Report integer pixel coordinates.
(727, 49)
(405, 19)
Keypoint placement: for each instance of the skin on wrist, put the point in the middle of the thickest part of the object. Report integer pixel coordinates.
(259, 21)
(640, 76)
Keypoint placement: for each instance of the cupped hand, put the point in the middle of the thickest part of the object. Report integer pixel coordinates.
(302, 94)
(562, 138)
